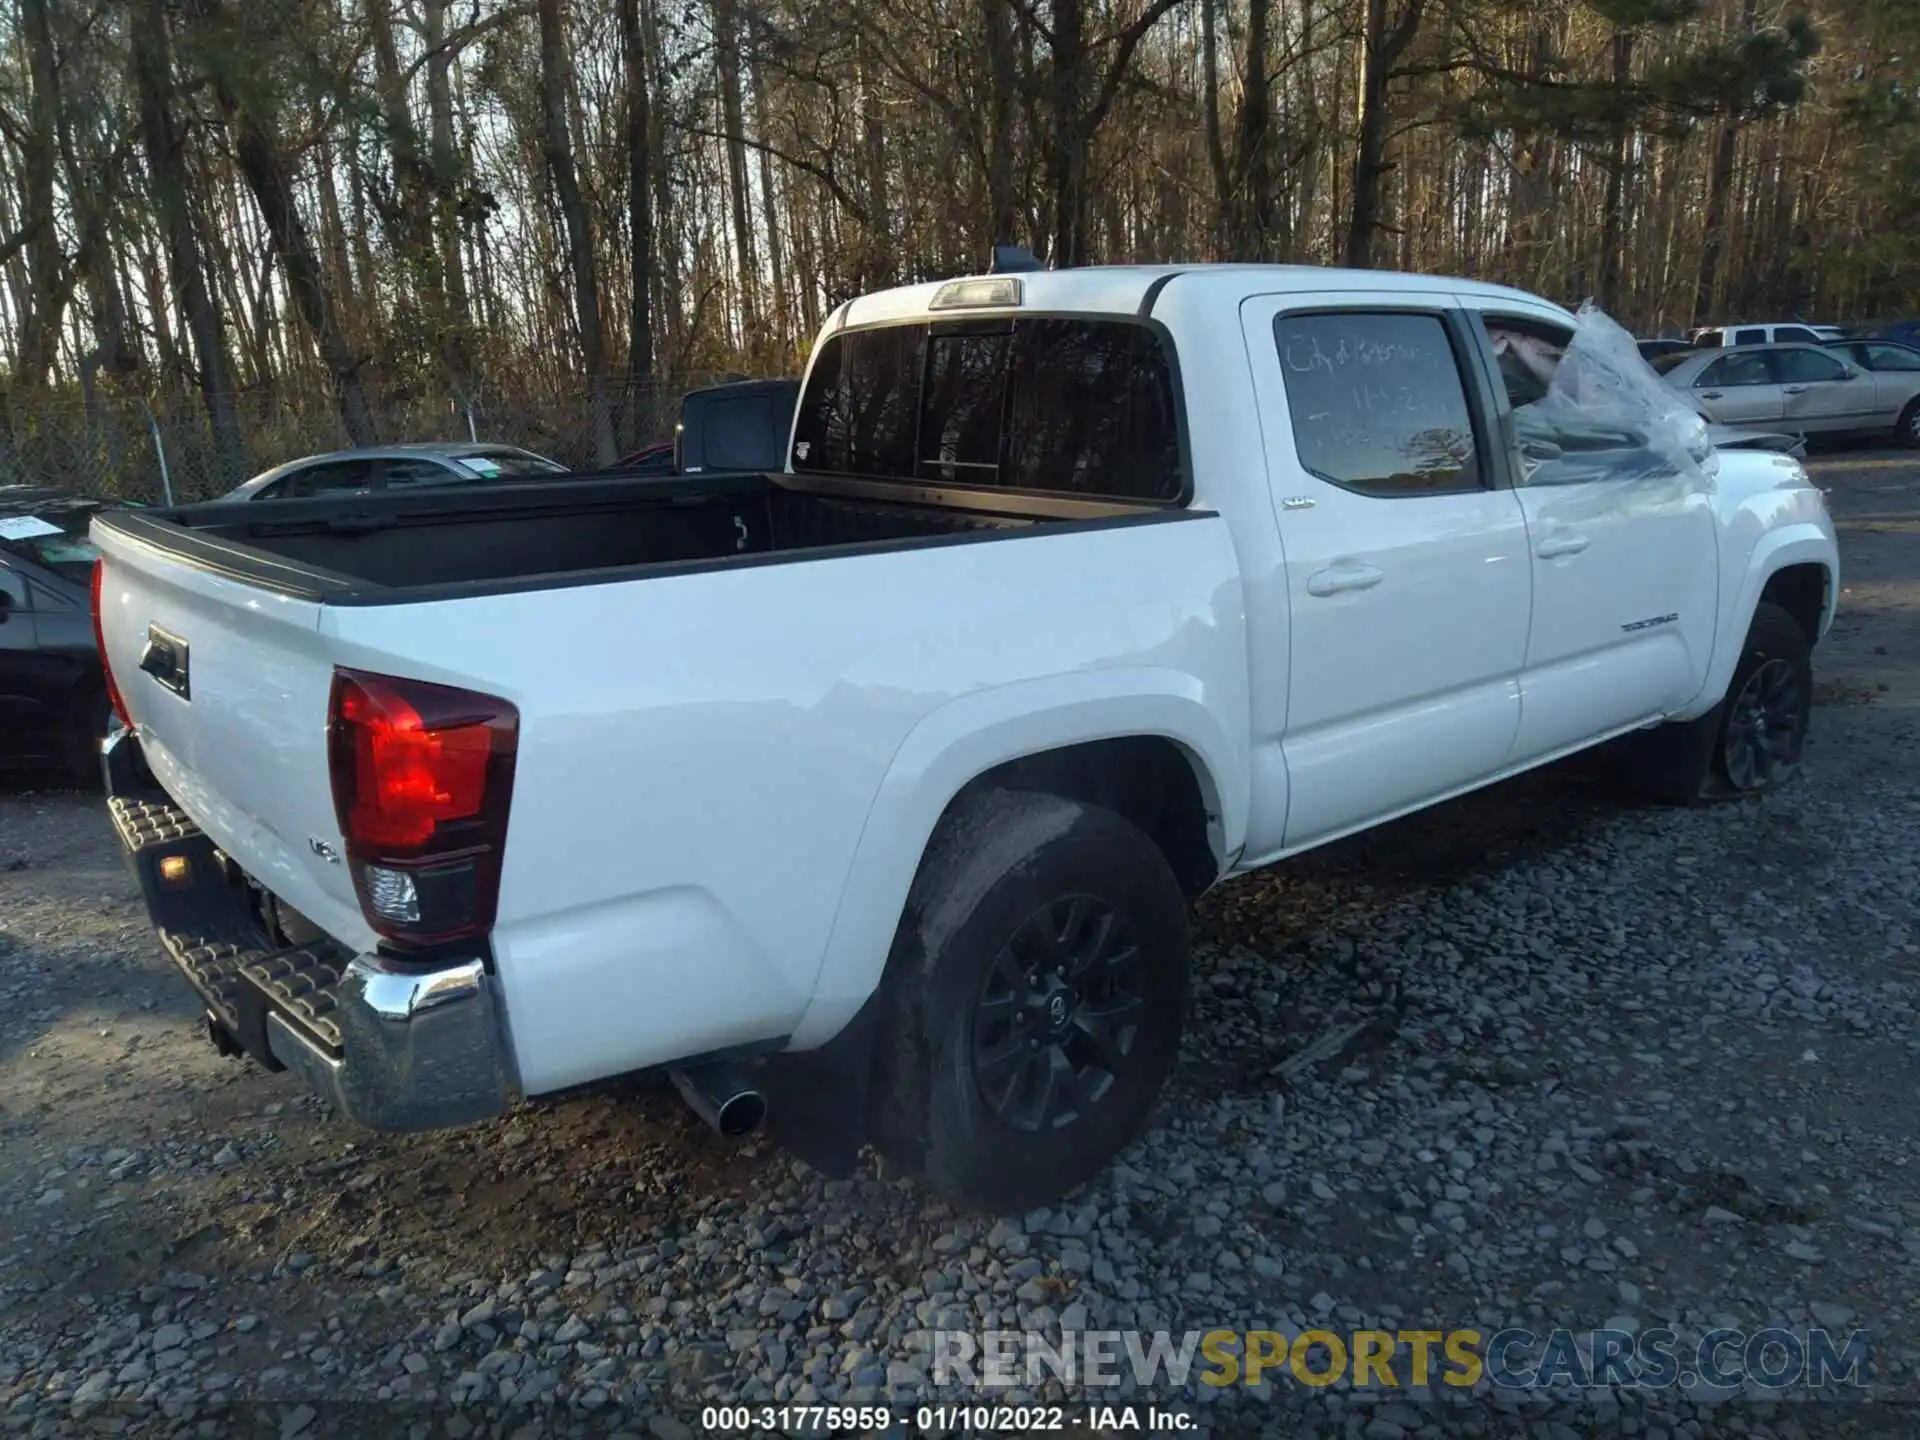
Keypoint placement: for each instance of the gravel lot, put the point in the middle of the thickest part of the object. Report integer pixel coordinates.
(1606, 1064)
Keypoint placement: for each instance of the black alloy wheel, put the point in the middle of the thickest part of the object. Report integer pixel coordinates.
(1765, 726)
(1058, 1014)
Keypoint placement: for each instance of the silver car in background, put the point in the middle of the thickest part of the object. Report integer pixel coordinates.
(395, 467)
(1803, 389)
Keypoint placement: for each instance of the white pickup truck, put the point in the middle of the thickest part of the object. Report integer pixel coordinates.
(870, 795)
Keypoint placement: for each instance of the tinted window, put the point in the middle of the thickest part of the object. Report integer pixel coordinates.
(862, 402)
(964, 410)
(1077, 407)
(1797, 333)
(1891, 357)
(1735, 370)
(1377, 402)
(331, 479)
(1750, 337)
(406, 474)
(1801, 367)
(745, 432)
(1090, 411)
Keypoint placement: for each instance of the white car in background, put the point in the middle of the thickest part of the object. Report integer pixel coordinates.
(1804, 389)
(1795, 333)
(395, 467)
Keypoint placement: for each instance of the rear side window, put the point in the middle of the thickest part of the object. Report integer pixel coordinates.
(1756, 336)
(406, 474)
(1055, 406)
(1378, 403)
(1891, 357)
(332, 479)
(1800, 367)
(1798, 333)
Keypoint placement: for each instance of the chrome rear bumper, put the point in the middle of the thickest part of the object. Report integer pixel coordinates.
(419, 1050)
(389, 1044)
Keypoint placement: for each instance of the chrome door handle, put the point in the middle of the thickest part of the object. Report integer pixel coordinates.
(1336, 578)
(1709, 394)
(1795, 390)
(1555, 546)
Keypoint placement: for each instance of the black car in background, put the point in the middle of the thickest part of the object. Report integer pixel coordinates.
(53, 697)
(743, 425)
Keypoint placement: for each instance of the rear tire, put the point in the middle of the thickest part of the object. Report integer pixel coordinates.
(1033, 1003)
(1748, 744)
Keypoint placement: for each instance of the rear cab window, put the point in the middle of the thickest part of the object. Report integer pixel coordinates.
(1751, 336)
(1377, 402)
(1080, 407)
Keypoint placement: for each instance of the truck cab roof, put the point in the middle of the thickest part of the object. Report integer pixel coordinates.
(1134, 289)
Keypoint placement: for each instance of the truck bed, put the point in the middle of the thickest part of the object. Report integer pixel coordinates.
(438, 544)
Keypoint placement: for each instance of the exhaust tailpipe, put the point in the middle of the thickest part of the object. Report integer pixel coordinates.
(722, 1097)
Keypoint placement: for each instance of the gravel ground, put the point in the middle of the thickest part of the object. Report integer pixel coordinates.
(1595, 1065)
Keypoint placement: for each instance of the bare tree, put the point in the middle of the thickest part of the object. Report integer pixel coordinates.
(573, 210)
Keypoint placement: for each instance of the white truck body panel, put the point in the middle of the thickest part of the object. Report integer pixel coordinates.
(246, 754)
(727, 778)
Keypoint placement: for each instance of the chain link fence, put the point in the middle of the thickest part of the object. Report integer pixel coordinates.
(164, 448)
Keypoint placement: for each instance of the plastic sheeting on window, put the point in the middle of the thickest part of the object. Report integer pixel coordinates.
(1602, 413)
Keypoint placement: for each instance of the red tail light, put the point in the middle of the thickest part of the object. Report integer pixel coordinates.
(422, 774)
(100, 644)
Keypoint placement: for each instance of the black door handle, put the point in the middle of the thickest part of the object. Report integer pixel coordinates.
(165, 659)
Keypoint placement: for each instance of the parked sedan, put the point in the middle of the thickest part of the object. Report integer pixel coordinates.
(393, 467)
(53, 698)
(1806, 389)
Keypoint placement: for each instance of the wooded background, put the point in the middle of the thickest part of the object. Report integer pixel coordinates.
(254, 228)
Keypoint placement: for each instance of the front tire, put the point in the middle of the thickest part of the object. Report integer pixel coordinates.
(1034, 1001)
(1763, 721)
(1748, 744)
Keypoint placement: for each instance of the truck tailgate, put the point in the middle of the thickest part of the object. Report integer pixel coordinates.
(237, 732)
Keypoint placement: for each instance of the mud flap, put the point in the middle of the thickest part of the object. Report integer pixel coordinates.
(817, 1099)
(1673, 762)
